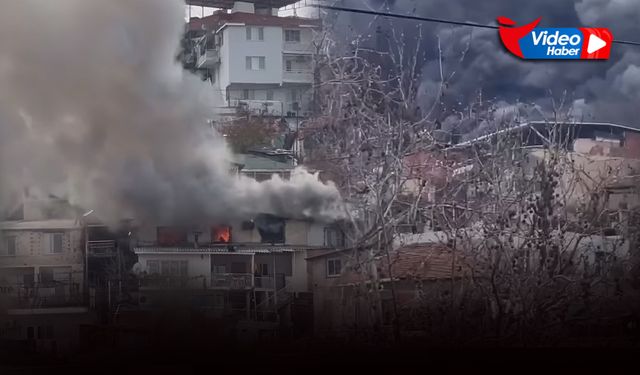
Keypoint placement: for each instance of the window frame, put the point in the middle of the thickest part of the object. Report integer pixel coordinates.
(153, 264)
(249, 34)
(52, 243)
(261, 65)
(10, 250)
(289, 32)
(331, 263)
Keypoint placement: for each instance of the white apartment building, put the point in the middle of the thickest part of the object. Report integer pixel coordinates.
(256, 61)
(251, 269)
(42, 263)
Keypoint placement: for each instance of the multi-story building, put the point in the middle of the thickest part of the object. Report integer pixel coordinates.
(42, 263)
(256, 61)
(248, 271)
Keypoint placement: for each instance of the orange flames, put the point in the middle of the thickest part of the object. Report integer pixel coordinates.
(221, 233)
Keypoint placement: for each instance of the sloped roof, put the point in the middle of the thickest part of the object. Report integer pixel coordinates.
(426, 261)
(262, 163)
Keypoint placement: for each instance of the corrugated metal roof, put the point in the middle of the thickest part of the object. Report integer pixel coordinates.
(211, 250)
(262, 163)
(426, 261)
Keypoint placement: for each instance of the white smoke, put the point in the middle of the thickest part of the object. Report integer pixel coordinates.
(94, 106)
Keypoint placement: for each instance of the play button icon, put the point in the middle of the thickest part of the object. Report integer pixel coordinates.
(595, 44)
(597, 41)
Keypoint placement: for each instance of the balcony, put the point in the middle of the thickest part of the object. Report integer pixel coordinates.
(259, 107)
(297, 76)
(297, 48)
(207, 59)
(156, 281)
(43, 295)
(231, 281)
(102, 249)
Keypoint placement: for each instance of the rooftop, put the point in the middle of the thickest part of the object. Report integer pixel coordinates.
(264, 162)
(228, 4)
(220, 18)
(426, 261)
(40, 224)
(543, 123)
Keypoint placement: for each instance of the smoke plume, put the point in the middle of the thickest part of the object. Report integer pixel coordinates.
(595, 90)
(95, 108)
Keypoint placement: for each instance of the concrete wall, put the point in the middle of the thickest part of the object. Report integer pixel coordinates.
(240, 48)
(32, 251)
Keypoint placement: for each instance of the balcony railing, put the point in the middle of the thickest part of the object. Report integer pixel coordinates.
(208, 58)
(42, 295)
(259, 107)
(233, 281)
(169, 282)
(297, 47)
(301, 76)
(101, 249)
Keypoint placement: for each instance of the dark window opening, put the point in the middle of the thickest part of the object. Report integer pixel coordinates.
(11, 245)
(271, 229)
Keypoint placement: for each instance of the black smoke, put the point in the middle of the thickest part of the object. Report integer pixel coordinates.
(605, 91)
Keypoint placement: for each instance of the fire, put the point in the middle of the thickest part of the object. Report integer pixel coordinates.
(221, 233)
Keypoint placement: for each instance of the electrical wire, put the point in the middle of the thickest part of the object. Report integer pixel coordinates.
(431, 19)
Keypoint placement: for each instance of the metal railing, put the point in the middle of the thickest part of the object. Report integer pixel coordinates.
(42, 295)
(234, 281)
(103, 248)
(263, 107)
(297, 75)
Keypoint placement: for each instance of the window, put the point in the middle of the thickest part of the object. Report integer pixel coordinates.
(262, 269)
(10, 245)
(174, 268)
(219, 269)
(269, 94)
(334, 237)
(271, 228)
(292, 36)
(293, 95)
(255, 62)
(153, 266)
(334, 267)
(55, 243)
(248, 94)
(255, 33)
(288, 65)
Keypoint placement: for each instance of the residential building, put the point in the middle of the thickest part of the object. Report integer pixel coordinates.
(345, 299)
(42, 263)
(604, 159)
(239, 271)
(256, 61)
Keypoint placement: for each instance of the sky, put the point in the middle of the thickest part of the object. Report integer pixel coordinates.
(592, 90)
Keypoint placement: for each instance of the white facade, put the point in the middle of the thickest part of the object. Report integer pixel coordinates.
(260, 58)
